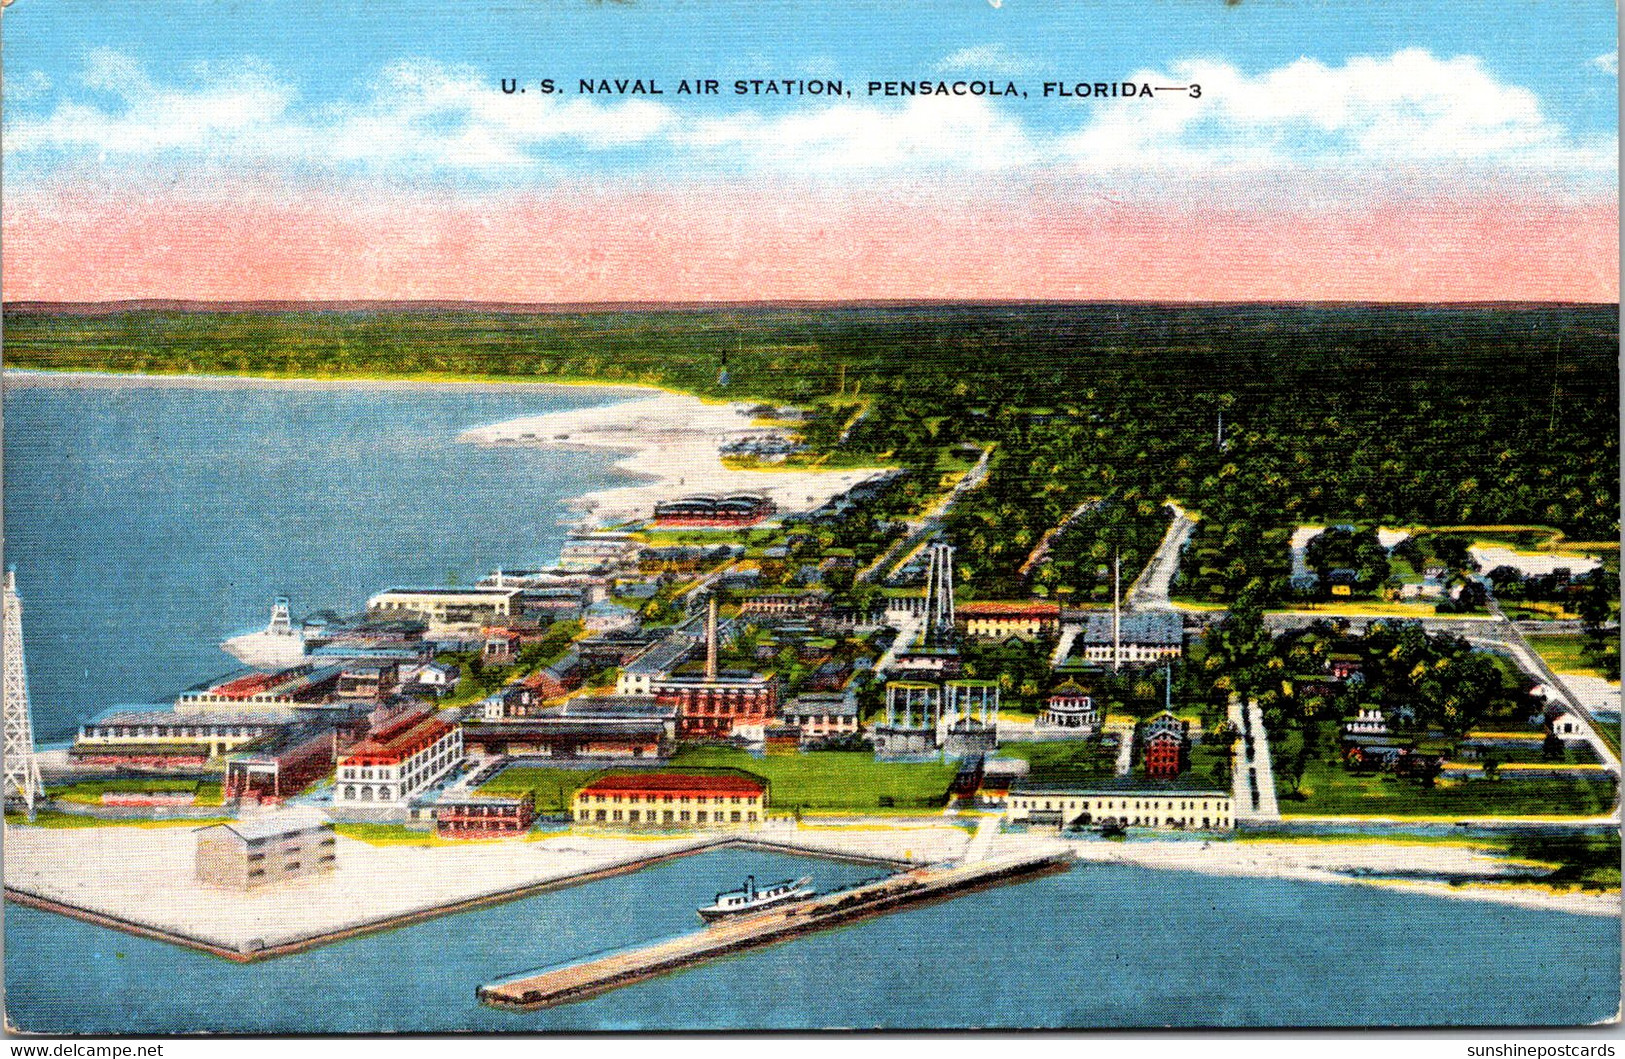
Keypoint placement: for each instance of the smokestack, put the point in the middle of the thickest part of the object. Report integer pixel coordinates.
(711, 639)
(1117, 611)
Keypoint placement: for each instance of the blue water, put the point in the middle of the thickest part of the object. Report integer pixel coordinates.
(1102, 945)
(149, 522)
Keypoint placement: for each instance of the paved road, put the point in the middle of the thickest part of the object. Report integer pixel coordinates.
(921, 529)
(981, 843)
(908, 630)
(1063, 647)
(1468, 627)
(1516, 644)
(1253, 798)
(1125, 752)
(1150, 590)
(1047, 541)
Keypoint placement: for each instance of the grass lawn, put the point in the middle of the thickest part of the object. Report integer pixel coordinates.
(1609, 733)
(50, 818)
(1064, 760)
(1211, 764)
(385, 834)
(1519, 610)
(550, 788)
(1361, 608)
(815, 780)
(833, 780)
(1565, 654)
(1333, 791)
(89, 792)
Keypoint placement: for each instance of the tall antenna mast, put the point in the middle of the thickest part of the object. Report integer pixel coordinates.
(711, 639)
(1117, 611)
(1557, 367)
(22, 779)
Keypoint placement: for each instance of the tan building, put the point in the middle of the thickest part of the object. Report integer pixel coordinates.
(448, 610)
(821, 714)
(1168, 808)
(159, 739)
(1001, 619)
(262, 850)
(670, 799)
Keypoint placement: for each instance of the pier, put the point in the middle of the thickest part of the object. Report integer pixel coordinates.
(562, 985)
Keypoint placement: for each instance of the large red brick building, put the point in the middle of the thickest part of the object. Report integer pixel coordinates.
(482, 816)
(1165, 746)
(721, 706)
(742, 509)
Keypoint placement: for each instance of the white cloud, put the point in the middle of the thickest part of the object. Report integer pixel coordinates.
(1410, 108)
(1608, 62)
(26, 87)
(987, 59)
(416, 112)
(1408, 115)
(149, 118)
(455, 118)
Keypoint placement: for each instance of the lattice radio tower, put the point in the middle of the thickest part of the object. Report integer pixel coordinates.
(22, 783)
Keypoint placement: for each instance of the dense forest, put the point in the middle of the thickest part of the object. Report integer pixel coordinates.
(1405, 415)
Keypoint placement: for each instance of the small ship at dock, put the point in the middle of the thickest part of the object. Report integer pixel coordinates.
(751, 898)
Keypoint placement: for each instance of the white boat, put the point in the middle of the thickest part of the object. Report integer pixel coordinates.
(753, 898)
(278, 645)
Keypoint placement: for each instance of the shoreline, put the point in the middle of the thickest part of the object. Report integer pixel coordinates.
(1334, 861)
(408, 917)
(71, 874)
(670, 448)
(672, 442)
(90, 379)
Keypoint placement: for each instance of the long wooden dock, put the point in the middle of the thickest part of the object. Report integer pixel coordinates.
(562, 985)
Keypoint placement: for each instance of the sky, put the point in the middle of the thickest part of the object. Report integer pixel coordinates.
(1396, 150)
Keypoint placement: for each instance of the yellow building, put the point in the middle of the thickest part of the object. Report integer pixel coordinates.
(1129, 807)
(669, 799)
(1002, 619)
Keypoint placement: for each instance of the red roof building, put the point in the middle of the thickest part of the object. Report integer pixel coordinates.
(398, 760)
(1003, 618)
(672, 800)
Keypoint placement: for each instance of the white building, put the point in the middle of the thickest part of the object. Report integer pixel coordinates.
(599, 551)
(1139, 638)
(638, 676)
(457, 611)
(397, 762)
(1369, 721)
(820, 714)
(1129, 807)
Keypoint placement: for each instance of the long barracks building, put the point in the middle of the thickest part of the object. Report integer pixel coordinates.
(668, 799)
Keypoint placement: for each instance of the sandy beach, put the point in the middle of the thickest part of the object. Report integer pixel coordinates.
(1532, 564)
(1333, 861)
(673, 440)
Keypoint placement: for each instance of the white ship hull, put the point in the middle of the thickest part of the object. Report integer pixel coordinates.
(265, 649)
(277, 646)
